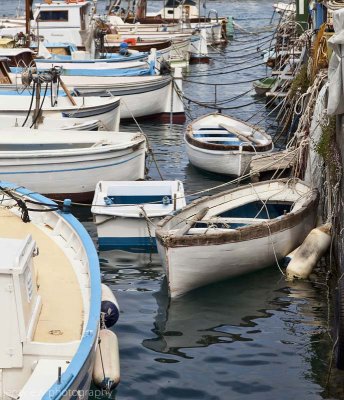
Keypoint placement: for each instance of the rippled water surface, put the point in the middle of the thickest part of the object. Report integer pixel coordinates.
(256, 337)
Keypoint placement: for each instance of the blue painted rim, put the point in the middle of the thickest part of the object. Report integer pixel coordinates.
(90, 335)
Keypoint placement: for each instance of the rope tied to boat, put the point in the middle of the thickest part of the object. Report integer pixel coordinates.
(21, 204)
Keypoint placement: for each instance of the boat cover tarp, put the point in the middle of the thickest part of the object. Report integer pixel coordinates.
(336, 67)
(314, 170)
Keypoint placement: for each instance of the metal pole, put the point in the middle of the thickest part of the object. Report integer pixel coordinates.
(27, 21)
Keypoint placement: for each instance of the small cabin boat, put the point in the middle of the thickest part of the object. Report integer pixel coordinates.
(126, 213)
(224, 145)
(51, 298)
(60, 164)
(235, 232)
(59, 21)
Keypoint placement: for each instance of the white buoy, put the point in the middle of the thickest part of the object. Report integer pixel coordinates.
(109, 307)
(309, 253)
(106, 370)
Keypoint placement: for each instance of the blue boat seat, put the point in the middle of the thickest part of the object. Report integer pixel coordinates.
(141, 199)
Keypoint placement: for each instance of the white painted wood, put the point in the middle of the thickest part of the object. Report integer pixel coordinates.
(130, 220)
(53, 162)
(89, 108)
(233, 162)
(191, 266)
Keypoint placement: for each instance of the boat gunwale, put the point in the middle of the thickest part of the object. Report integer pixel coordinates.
(241, 234)
(133, 145)
(90, 334)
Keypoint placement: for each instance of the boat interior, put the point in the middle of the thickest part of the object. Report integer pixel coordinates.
(155, 195)
(217, 135)
(48, 300)
(251, 213)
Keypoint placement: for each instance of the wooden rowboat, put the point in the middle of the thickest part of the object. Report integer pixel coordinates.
(224, 145)
(234, 232)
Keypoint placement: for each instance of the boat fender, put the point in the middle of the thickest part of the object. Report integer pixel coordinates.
(109, 307)
(130, 41)
(286, 260)
(309, 253)
(123, 49)
(106, 369)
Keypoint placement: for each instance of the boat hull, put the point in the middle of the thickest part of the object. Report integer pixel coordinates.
(233, 238)
(233, 163)
(74, 176)
(188, 268)
(150, 99)
(129, 233)
(107, 111)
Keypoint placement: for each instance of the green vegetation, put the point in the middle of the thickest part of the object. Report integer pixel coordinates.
(325, 145)
(300, 83)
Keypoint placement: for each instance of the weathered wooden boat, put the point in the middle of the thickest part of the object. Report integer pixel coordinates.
(264, 85)
(126, 213)
(74, 124)
(235, 232)
(224, 145)
(105, 110)
(62, 165)
(52, 312)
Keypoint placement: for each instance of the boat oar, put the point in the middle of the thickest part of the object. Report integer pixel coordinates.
(241, 135)
(189, 223)
(65, 89)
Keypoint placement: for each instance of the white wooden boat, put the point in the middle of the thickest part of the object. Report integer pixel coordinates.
(234, 232)
(141, 96)
(86, 109)
(74, 124)
(224, 145)
(52, 312)
(62, 165)
(126, 213)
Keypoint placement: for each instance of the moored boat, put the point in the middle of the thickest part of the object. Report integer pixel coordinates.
(74, 124)
(86, 109)
(264, 85)
(52, 312)
(224, 145)
(126, 213)
(235, 232)
(62, 165)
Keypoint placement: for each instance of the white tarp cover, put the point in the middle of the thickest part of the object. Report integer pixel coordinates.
(335, 104)
(314, 169)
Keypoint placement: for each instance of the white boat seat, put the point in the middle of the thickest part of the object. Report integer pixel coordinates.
(42, 378)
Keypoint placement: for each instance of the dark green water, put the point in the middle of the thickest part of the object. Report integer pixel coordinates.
(253, 338)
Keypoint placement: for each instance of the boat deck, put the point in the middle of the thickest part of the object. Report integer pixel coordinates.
(61, 317)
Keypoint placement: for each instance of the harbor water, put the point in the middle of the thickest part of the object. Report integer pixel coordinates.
(256, 337)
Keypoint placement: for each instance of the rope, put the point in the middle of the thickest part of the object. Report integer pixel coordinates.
(150, 150)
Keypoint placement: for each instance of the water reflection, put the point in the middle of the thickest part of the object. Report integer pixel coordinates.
(211, 314)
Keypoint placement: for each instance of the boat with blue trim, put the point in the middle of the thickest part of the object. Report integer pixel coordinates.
(51, 299)
(126, 213)
(62, 164)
